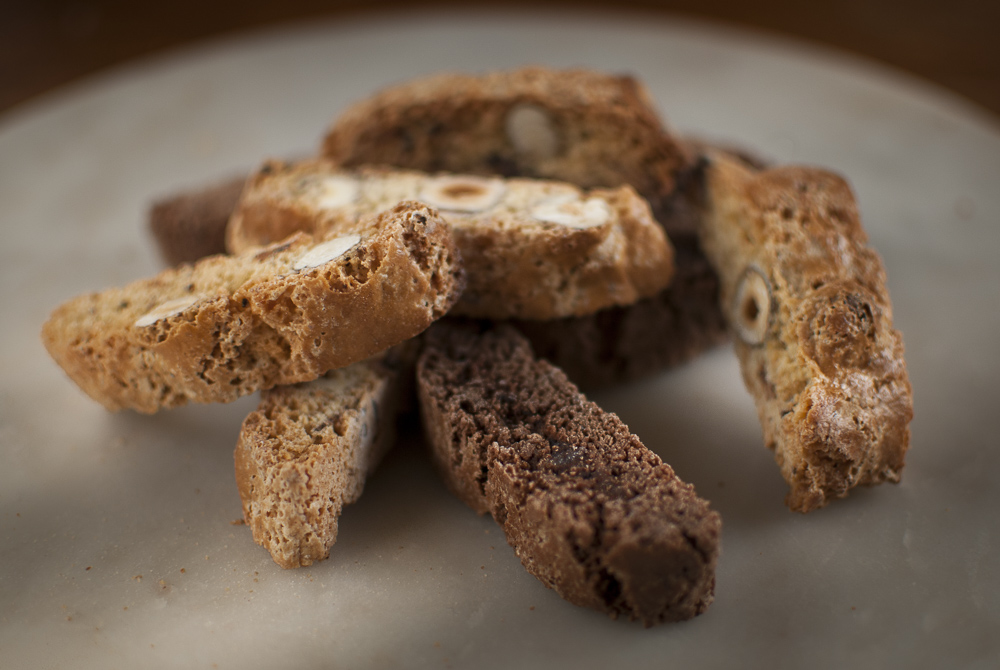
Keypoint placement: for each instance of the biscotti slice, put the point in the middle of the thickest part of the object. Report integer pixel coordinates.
(532, 249)
(806, 299)
(622, 344)
(307, 449)
(192, 224)
(580, 126)
(589, 510)
(230, 325)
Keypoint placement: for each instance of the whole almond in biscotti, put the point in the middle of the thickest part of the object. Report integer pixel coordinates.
(230, 325)
(805, 297)
(307, 449)
(532, 249)
(588, 509)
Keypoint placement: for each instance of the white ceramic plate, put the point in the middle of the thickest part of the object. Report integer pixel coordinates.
(119, 547)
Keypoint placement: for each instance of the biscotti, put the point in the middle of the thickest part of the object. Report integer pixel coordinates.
(806, 299)
(191, 225)
(622, 344)
(228, 326)
(307, 449)
(588, 509)
(580, 126)
(533, 249)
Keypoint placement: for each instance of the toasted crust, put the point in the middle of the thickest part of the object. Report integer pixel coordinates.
(589, 510)
(518, 264)
(307, 449)
(192, 224)
(584, 127)
(251, 322)
(818, 352)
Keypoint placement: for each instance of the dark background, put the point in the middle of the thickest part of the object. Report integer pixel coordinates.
(44, 44)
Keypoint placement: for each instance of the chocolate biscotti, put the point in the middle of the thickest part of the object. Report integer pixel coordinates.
(307, 449)
(192, 224)
(806, 299)
(230, 325)
(533, 249)
(589, 510)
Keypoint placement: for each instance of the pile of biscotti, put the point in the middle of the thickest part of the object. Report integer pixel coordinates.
(494, 243)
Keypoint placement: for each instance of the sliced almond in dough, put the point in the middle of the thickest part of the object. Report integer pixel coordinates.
(167, 309)
(324, 252)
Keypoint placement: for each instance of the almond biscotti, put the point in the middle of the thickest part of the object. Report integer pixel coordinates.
(805, 296)
(580, 126)
(532, 249)
(588, 509)
(307, 449)
(230, 325)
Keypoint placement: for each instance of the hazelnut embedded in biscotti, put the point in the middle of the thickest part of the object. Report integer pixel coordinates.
(572, 212)
(530, 129)
(323, 253)
(167, 309)
(335, 192)
(462, 194)
(751, 310)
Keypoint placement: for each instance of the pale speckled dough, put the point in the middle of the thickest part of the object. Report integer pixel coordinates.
(254, 321)
(588, 509)
(307, 449)
(814, 326)
(518, 263)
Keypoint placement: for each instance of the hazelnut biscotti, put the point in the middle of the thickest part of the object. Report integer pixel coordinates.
(806, 299)
(532, 249)
(230, 325)
(589, 510)
(580, 126)
(307, 449)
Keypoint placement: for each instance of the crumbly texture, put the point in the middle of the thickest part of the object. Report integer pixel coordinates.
(589, 510)
(230, 325)
(580, 126)
(307, 449)
(191, 225)
(806, 296)
(533, 249)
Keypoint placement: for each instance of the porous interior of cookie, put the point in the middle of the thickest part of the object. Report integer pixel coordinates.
(228, 326)
(306, 451)
(590, 511)
(533, 249)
